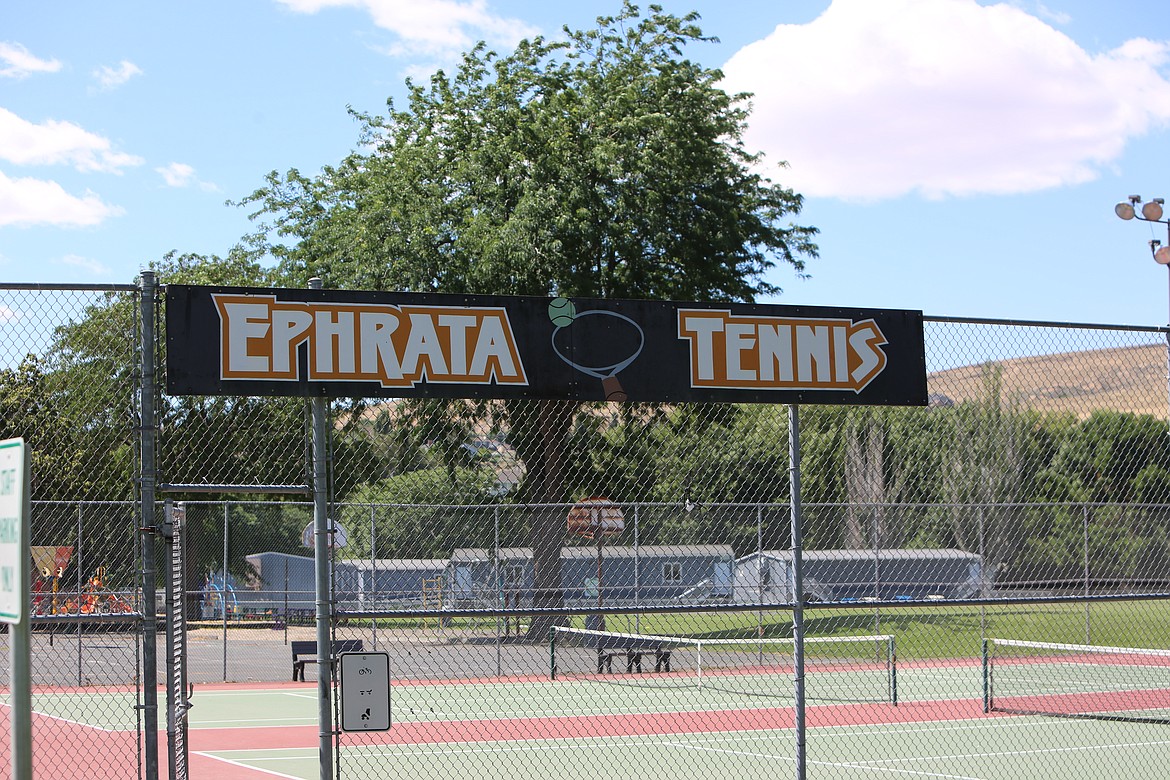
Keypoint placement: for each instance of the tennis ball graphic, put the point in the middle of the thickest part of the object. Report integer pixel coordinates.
(561, 311)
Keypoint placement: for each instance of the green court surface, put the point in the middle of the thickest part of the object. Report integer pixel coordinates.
(593, 729)
(1039, 749)
(227, 707)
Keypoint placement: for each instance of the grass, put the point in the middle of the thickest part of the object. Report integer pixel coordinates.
(932, 632)
(937, 632)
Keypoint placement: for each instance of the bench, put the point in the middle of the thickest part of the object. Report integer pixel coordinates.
(302, 648)
(632, 650)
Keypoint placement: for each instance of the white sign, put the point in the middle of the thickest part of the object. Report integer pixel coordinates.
(365, 692)
(337, 539)
(13, 530)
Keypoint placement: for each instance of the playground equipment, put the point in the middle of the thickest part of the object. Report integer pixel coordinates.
(219, 598)
(98, 599)
(92, 597)
(50, 563)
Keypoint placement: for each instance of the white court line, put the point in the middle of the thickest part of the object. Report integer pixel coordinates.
(245, 692)
(845, 764)
(1014, 722)
(127, 727)
(375, 751)
(1030, 752)
(198, 724)
(408, 751)
(248, 766)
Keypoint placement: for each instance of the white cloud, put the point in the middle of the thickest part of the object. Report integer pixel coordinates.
(27, 202)
(109, 78)
(8, 314)
(182, 175)
(177, 174)
(17, 62)
(58, 143)
(876, 100)
(1056, 17)
(433, 28)
(86, 264)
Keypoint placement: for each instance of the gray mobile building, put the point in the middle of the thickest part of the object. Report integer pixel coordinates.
(389, 582)
(629, 575)
(281, 580)
(357, 582)
(848, 575)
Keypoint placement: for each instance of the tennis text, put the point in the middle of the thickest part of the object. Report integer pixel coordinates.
(396, 346)
(749, 352)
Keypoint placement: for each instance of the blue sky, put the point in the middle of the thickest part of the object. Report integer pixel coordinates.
(959, 157)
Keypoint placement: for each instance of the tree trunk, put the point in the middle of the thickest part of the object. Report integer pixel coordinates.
(540, 434)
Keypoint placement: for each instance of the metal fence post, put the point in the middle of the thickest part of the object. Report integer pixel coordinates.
(373, 569)
(1088, 619)
(79, 552)
(147, 527)
(798, 586)
(322, 585)
(501, 594)
(223, 591)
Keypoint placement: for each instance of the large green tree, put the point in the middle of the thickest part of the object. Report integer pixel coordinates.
(601, 164)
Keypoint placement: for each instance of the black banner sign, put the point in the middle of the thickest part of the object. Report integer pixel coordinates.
(246, 341)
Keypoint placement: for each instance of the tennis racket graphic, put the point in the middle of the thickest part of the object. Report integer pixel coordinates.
(588, 341)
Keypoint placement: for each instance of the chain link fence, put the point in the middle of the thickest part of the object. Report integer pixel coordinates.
(609, 589)
(68, 386)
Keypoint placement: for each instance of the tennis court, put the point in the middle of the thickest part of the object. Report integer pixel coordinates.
(651, 725)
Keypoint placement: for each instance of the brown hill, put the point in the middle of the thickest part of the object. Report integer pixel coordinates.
(1127, 379)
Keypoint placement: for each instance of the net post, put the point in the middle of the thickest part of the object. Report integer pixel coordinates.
(892, 662)
(552, 652)
(986, 677)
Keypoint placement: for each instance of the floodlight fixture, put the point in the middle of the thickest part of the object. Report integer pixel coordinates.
(1152, 212)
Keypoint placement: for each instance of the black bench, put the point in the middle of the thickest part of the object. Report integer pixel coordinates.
(308, 647)
(632, 650)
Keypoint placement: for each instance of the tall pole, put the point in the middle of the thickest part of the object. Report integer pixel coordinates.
(147, 530)
(1152, 212)
(321, 567)
(1167, 340)
(599, 536)
(223, 591)
(797, 586)
(20, 635)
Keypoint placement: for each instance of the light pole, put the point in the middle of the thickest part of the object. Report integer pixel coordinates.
(1151, 212)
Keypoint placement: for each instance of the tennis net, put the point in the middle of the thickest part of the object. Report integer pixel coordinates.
(1076, 681)
(838, 669)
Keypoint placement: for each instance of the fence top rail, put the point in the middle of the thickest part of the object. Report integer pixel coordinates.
(754, 505)
(1046, 324)
(88, 618)
(65, 286)
(737, 606)
(128, 502)
(680, 505)
(235, 488)
(643, 504)
(113, 287)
